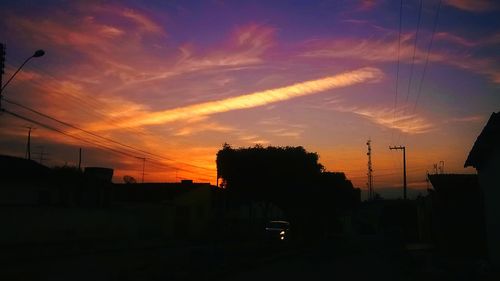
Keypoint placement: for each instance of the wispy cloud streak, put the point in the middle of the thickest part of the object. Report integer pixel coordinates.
(382, 51)
(252, 100)
(406, 123)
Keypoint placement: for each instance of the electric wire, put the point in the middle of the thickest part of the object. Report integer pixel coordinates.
(410, 79)
(426, 63)
(397, 68)
(436, 18)
(94, 143)
(99, 136)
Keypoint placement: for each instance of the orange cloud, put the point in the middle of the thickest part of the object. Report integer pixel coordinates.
(261, 98)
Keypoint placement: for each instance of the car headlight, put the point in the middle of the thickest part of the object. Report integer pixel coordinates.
(282, 232)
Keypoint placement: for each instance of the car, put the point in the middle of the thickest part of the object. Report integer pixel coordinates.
(278, 230)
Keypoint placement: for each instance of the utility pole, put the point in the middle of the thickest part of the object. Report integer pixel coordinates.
(27, 155)
(80, 159)
(2, 66)
(370, 170)
(404, 166)
(143, 166)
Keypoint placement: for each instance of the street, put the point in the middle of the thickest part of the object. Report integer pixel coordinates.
(361, 258)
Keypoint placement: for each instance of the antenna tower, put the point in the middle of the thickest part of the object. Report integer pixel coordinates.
(143, 166)
(370, 170)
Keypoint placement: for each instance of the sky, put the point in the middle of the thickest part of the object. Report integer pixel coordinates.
(164, 84)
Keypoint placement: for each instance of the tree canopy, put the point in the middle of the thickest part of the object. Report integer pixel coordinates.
(259, 173)
(290, 177)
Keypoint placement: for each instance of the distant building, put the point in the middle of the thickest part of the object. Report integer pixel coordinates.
(23, 182)
(485, 158)
(189, 209)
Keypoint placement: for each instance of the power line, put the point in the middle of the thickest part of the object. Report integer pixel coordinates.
(93, 105)
(156, 163)
(382, 175)
(99, 136)
(102, 115)
(429, 46)
(397, 69)
(100, 145)
(65, 133)
(413, 60)
(91, 108)
(427, 55)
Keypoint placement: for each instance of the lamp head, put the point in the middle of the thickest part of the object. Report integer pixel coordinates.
(39, 53)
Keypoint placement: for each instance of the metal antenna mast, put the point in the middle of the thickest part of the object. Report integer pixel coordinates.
(143, 166)
(41, 154)
(370, 170)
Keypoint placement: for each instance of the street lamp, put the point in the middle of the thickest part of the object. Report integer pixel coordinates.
(37, 54)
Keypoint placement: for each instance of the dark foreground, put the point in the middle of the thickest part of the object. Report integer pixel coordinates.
(359, 258)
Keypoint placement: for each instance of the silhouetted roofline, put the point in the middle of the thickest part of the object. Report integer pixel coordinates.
(486, 142)
(167, 185)
(22, 169)
(445, 182)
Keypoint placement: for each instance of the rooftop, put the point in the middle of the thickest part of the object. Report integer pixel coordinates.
(486, 143)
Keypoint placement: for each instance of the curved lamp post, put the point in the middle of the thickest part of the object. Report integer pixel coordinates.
(37, 54)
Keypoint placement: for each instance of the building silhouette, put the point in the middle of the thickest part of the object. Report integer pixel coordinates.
(485, 158)
(456, 215)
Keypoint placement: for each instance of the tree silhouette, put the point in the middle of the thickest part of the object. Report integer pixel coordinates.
(129, 179)
(289, 177)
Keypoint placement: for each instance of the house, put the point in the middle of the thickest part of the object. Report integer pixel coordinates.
(485, 158)
(456, 216)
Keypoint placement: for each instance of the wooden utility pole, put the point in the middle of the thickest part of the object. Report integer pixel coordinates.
(404, 166)
(80, 159)
(28, 144)
(2, 66)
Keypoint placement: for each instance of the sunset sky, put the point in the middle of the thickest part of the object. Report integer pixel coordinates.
(172, 81)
